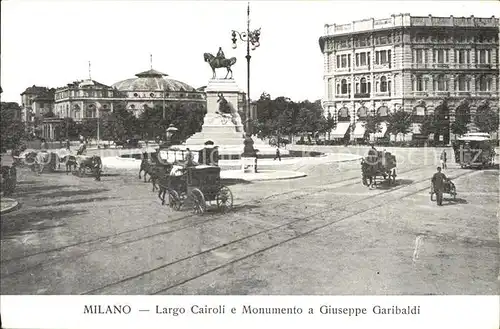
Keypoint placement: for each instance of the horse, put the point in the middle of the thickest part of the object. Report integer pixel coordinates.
(41, 160)
(70, 161)
(216, 63)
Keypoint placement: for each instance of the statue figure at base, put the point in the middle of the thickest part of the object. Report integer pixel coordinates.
(248, 150)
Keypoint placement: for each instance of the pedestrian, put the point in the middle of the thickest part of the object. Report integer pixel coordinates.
(68, 144)
(443, 159)
(278, 155)
(438, 181)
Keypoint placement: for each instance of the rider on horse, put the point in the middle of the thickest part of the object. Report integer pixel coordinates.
(220, 54)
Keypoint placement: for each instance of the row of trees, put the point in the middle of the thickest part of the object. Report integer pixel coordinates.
(281, 116)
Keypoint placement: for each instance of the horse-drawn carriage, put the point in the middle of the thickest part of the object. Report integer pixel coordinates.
(196, 186)
(378, 168)
(87, 165)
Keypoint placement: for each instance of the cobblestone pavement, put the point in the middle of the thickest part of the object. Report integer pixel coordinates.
(322, 234)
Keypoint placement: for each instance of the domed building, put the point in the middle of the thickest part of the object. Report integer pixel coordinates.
(151, 88)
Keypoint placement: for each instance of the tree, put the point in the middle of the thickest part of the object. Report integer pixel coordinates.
(486, 119)
(372, 124)
(430, 125)
(399, 122)
(462, 119)
(12, 129)
(330, 123)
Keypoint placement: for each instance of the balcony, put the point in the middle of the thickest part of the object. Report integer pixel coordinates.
(382, 94)
(343, 96)
(342, 69)
(362, 95)
(483, 66)
(441, 66)
(462, 93)
(420, 66)
(420, 94)
(384, 66)
(484, 93)
(362, 68)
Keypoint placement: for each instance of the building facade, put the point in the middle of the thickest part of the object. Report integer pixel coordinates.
(416, 64)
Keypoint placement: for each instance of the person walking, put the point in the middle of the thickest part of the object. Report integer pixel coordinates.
(68, 144)
(438, 181)
(443, 159)
(278, 154)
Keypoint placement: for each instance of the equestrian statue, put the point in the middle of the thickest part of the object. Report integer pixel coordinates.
(220, 61)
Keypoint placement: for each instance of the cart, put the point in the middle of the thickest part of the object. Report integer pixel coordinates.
(379, 168)
(88, 166)
(449, 188)
(197, 186)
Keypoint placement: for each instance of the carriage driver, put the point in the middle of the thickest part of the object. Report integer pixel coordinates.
(372, 156)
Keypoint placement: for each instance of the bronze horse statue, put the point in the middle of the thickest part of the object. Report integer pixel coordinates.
(216, 63)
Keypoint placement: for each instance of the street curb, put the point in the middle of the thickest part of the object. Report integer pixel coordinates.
(13, 207)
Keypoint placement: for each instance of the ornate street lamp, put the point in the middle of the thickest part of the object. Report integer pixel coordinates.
(252, 40)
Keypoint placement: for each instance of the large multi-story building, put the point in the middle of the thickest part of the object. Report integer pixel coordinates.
(416, 64)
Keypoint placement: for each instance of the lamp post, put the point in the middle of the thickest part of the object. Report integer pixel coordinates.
(251, 38)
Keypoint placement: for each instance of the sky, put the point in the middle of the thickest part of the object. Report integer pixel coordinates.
(50, 43)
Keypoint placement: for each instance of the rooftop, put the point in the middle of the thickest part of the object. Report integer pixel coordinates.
(406, 20)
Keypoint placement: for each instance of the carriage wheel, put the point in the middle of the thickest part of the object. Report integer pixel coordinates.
(198, 199)
(224, 199)
(174, 200)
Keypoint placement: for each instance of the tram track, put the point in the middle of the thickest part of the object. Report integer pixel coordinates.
(281, 229)
(84, 248)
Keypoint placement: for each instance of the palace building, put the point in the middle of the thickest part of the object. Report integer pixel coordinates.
(416, 64)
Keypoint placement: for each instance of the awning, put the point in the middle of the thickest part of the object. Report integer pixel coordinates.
(359, 130)
(381, 134)
(340, 130)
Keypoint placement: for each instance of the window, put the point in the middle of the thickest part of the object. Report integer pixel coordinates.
(343, 86)
(343, 61)
(463, 83)
(363, 88)
(441, 84)
(419, 56)
(461, 56)
(484, 83)
(383, 111)
(363, 112)
(439, 55)
(383, 84)
(419, 110)
(383, 57)
(483, 56)
(338, 61)
(419, 83)
(362, 59)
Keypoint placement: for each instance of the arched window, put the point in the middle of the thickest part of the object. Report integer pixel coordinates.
(343, 114)
(343, 86)
(383, 111)
(363, 112)
(364, 88)
(383, 84)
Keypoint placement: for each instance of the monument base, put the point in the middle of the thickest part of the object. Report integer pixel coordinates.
(225, 130)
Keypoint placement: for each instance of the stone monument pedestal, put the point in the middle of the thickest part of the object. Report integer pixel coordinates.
(222, 129)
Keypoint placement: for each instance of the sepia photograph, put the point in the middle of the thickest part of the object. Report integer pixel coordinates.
(250, 148)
